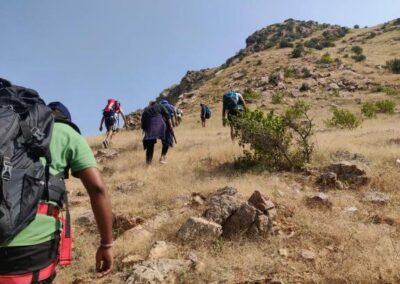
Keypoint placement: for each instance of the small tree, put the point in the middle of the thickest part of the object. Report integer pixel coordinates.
(393, 65)
(298, 51)
(369, 110)
(277, 142)
(357, 49)
(356, 26)
(343, 118)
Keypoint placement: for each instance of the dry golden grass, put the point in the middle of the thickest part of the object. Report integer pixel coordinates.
(349, 248)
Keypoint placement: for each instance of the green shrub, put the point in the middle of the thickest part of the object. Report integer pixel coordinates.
(359, 57)
(369, 110)
(371, 35)
(306, 72)
(284, 43)
(289, 72)
(317, 43)
(343, 118)
(385, 106)
(357, 49)
(389, 90)
(277, 142)
(393, 65)
(356, 26)
(326, 59)
(298, 51)
(250, 95)
(277, 97)
(305, 87)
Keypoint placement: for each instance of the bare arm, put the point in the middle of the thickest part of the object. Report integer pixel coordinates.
(123, 117)
(101, 206)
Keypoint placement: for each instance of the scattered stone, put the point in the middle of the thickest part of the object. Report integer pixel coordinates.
(343, 155)
(122, 223)
(221, 205)
(197, 199)
(350, 172)
(86, 219)
(263, 81)
(398, 162)
(161, 250)
(158, 271)
(319, 200)
(132, 259)
(328, 179)
(350, 210)
(237, 75)
(333, 87)
(379, 219)
(375, 197)
(307, 254)
(283, 252)
(240, 222)
(129, 186)
(263, 204)
(140, 235)
(106, 154)
(277, 77)
(199, 228)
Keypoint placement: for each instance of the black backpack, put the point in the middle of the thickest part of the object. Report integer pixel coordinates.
(26, 125)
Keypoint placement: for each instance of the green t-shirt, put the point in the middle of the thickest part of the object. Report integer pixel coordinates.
(67, 147)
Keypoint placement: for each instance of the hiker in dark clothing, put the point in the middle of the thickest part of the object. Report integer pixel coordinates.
(156, 123)
(233, 104)
(203, 114)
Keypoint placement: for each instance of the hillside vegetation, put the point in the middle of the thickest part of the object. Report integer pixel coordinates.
(345, 237)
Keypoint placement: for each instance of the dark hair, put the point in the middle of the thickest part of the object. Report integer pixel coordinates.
(4, 83)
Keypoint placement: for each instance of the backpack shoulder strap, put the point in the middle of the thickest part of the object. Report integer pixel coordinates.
(67, 122)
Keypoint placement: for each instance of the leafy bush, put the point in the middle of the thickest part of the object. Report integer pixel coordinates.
(277, 142)
(277, 97)
(357, 49)
(298, 51)
(356, 26)
(326, 59)
(371, 35)
(359, 57)
(305, 87)
(306, 72)
(317, 43)
(389, 90)
(385, 106)
(289, 72)
(393, 65)
(250, 95)
(284, 43)
(343, 118)
(369, 109)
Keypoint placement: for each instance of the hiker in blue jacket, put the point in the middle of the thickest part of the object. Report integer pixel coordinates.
(232, 105)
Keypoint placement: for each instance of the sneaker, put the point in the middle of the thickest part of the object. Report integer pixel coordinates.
(163, 162)
(105, 144)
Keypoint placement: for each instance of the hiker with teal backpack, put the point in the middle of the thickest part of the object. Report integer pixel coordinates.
(39, 145)
(205, 113)
(232, 105)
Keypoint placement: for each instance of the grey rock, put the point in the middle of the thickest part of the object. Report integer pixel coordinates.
(263, 204)
(129, 186)
(376, 197)
(158, 271)
(221, 205)
(240, 222)
(199, 228)
(350, 172)
(318, 200)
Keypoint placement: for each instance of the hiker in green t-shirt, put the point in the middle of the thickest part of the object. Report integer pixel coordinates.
(34, 251)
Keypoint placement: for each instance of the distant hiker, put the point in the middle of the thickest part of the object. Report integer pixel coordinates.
(110, 117)
(232, 105)
(156, 124)
(205, 113)
(179, 116)
(34, 238)
(171, 111)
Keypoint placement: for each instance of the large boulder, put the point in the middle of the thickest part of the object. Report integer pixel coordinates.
(158, 271)
(106, 154)
(352, 173)
(199, 228)
(263, 204)
(221, 205)
(240, 222)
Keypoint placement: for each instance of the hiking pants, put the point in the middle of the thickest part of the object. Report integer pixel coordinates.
(149, 146)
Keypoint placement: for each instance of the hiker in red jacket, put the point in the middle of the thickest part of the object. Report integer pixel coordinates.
(33, 253)
(110, 117)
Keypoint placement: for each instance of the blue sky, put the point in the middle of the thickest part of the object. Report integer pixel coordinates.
(83, 52)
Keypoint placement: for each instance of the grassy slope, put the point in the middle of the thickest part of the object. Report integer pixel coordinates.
(347, 247)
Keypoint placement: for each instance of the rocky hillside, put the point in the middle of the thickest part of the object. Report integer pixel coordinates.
(202, 219)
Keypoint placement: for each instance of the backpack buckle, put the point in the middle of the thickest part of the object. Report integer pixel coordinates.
(37, 134)
(6, 172)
